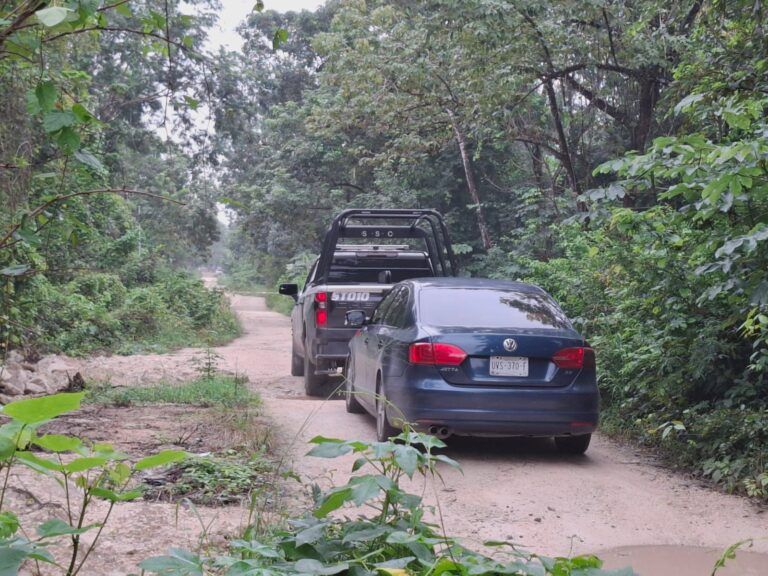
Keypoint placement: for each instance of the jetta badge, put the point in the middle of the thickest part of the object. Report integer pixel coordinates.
(510, 344)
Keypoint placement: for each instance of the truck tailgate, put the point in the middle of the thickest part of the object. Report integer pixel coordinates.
(352, 297)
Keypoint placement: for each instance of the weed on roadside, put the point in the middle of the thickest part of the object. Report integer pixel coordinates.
(212, 480)
(218, 390)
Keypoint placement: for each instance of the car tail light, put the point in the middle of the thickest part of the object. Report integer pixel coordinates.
(435, 354)
(574, 358)
(321, 308)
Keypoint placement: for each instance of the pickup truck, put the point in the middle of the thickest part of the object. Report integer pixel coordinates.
(364, 253)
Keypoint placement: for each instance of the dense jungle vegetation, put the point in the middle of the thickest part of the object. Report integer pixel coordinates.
(614, 152)
(103, 205)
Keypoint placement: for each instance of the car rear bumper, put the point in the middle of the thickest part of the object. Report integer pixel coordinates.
(477, 411)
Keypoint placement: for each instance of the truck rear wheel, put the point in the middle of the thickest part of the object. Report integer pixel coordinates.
(314, 384)
(297, 362)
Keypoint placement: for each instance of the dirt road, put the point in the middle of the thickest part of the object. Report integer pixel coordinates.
(520, 490)
(510, 489)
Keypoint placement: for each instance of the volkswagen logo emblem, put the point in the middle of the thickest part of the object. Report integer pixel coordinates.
(510, 344)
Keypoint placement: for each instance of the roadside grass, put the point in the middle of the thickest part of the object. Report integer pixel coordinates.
(279, 303)
(219, 390)
(173, 335)
(229, 411)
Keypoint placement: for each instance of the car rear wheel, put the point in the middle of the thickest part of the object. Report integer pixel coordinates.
(353, 405)
(297, 362)
(384, 430)
(314, 384)
(573, 444)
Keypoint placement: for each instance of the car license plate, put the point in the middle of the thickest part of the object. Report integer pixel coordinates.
(509, 366)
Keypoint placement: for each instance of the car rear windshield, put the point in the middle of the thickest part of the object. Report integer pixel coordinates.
(364, 270)
(489, 308)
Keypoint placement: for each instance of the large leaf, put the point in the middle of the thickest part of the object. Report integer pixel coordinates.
(46, 95)
(58, 443)
(15, 270)
(315, 567)
(160, 459)
(55, 527)
(178, 562)
(35, 410)
(58, 119)
(53, 16)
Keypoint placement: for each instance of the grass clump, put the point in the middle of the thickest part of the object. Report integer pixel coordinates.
(219, 390)
(214, 480)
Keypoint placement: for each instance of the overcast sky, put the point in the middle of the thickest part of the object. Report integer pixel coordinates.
(234, 11)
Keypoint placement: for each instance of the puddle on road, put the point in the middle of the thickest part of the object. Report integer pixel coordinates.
(683, 561)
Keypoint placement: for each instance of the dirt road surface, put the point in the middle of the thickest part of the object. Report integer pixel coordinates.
(615, 497)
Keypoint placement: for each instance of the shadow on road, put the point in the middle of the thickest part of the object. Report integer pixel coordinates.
(533, 450)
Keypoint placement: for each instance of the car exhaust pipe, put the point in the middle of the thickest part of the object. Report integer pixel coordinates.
(440, 431)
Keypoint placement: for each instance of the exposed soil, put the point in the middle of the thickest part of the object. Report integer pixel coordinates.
(521, 490)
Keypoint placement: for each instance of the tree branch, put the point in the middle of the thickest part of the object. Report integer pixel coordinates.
(598, 102)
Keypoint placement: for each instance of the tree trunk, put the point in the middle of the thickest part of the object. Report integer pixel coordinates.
(469, 173)
(562, 140)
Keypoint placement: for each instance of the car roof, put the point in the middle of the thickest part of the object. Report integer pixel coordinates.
(476, 283)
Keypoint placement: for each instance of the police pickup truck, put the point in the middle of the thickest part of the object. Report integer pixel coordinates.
(364, 253)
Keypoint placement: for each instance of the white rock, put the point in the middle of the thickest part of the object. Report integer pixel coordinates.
(37, 385)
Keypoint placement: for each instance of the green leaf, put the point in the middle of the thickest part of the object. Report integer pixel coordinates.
(55, 527)
(88, 159)
(407, 458)
(68, 140)
(112, 496)
(15, 270)
(82, 114)
(35, 410)
(333, 501)
(58, 443)
(83, 464)
(178, 562)
(315, 567)
(9, 524)
(259, 6)
(53, 16)
(42, 465)
(328, 447)
(160, 459)
(310, 535)
(191, 102)
(124, 10)
(46, 95)
(281, 36)
(58, 119)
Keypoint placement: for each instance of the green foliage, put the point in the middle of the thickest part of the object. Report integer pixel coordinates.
(392, 538)
(220, 390)
(89, 472)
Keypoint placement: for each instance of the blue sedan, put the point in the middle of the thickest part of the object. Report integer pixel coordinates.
(473, 357)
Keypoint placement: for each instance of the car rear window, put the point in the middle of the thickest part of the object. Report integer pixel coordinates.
(489, 308)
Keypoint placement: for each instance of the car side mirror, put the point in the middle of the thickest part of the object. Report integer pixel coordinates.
(355, 318)
(291, 290)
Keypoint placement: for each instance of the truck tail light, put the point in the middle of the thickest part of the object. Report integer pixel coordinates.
(574, 358)
(321, 308)
(435, 354)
